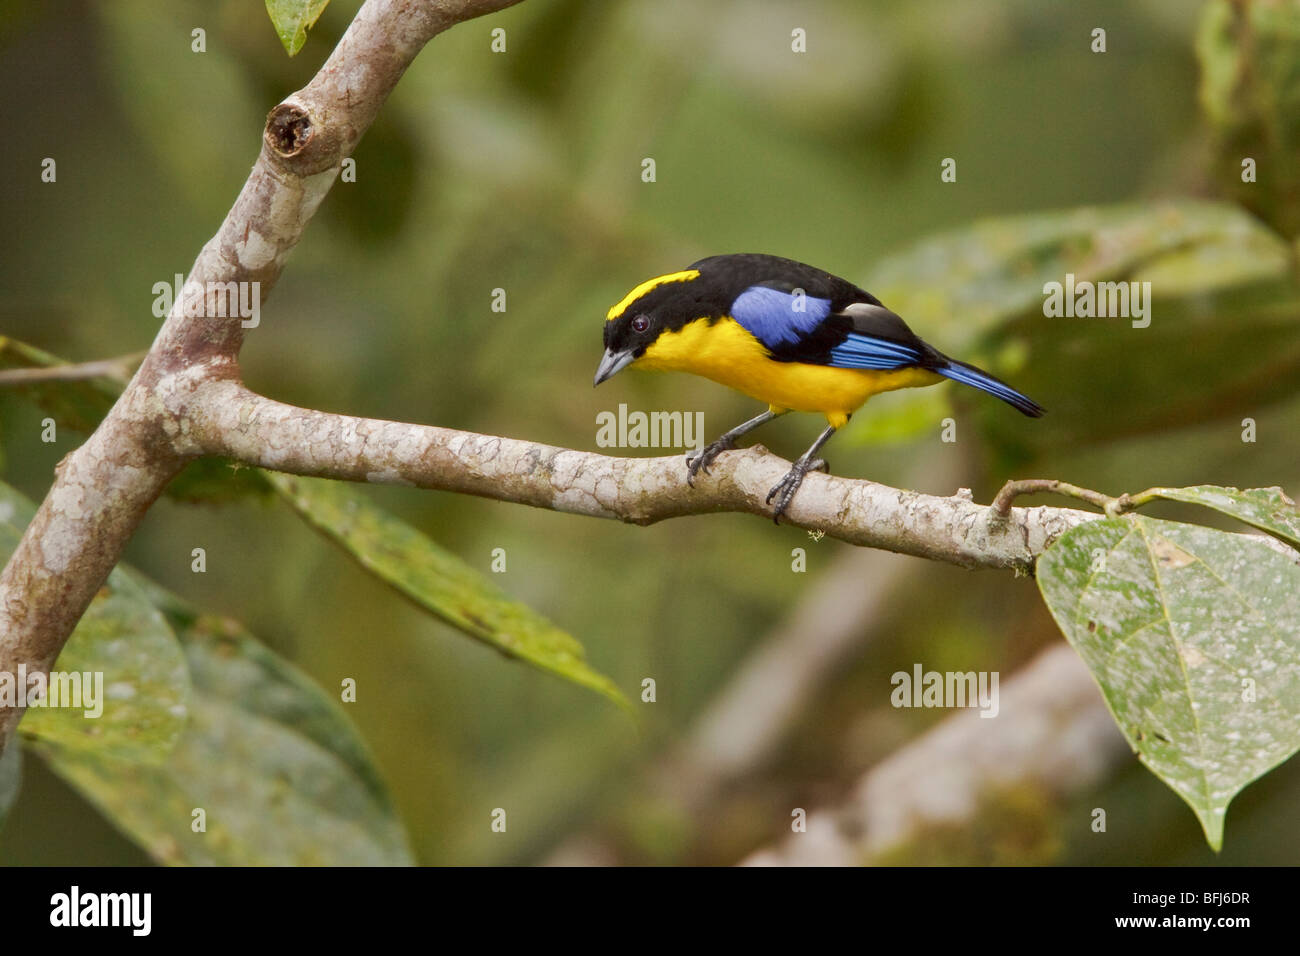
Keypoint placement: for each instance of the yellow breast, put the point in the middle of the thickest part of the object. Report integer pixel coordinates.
(725, 352)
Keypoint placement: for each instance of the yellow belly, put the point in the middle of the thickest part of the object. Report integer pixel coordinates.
(727, 353)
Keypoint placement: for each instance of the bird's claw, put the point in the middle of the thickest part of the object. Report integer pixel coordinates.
(783, 491)
(700, 460)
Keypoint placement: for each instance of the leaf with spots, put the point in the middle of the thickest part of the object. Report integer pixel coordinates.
(280, 772)
(293, 18)
(1193, 635)
(1269, 509)
(122, 665)
(438, 581)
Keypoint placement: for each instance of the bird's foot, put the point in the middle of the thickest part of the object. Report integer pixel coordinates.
(784, 489)
(699, 461)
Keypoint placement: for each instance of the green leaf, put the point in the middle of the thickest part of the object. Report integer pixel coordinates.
(1193, 635)
(125, 661)
(225, 660)
(293, 18)
(1268, 509)
(279, 770)
(11, 779)
(438, 581)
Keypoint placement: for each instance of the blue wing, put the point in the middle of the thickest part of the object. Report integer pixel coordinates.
(867, 351)
(778, 318)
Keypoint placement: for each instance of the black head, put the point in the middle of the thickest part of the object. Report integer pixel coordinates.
(662, 304)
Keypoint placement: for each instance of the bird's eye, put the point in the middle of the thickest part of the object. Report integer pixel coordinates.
(640, 323)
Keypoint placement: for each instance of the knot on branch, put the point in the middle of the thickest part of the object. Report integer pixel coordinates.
(300, 138)
(289, 130)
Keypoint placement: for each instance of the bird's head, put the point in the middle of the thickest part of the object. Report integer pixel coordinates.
(662, 304)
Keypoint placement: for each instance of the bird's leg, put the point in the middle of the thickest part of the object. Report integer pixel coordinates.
(784, 490)
(699, 461)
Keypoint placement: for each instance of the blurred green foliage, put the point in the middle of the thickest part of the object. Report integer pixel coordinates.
(522, 171)
(1250, 89)
(11, 778)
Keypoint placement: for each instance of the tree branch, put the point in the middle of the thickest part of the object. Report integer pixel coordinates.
(1047, 486)
(103, 489)
(118, 369)
(226, 418)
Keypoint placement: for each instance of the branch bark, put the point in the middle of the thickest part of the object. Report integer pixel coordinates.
(228, 419)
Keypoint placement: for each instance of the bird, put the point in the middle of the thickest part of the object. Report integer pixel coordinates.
(785, 333)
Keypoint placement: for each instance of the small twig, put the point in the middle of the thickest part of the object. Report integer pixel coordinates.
(1127, 502)
(1113, 507)
(119, 369)
(1037, 486)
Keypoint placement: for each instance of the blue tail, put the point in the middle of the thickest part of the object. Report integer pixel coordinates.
(970, 375)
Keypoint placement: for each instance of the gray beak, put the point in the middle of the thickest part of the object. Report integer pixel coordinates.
(611, 364)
